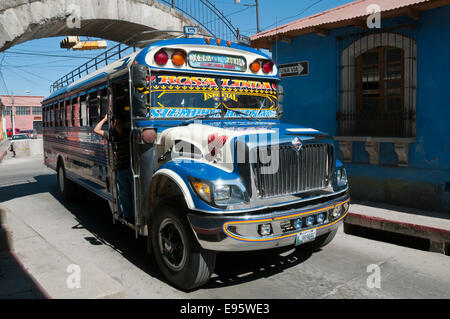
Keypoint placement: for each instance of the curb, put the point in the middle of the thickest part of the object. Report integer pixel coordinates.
(439, 238)
(6, 234)
(5, 151)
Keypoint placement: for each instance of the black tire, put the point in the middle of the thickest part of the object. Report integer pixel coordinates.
(320, 241)
(195, 265)
(67, 188)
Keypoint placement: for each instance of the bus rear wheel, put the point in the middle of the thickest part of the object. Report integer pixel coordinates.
(179, 256)
(67, 188)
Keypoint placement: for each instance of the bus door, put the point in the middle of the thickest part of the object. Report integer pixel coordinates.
(143, 157)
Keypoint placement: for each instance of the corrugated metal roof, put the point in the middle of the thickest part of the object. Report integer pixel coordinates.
(347, 11)
(21, 100)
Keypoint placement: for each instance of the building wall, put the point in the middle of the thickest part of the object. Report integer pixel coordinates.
(311, 100)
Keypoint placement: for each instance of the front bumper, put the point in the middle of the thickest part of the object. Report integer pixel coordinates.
(240, 232)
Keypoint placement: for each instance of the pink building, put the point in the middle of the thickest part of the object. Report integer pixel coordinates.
(28, 112)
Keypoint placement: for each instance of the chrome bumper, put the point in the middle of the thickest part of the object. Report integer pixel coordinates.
(240, 232)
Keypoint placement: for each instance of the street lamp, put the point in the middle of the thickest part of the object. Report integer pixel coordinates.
(256, 5)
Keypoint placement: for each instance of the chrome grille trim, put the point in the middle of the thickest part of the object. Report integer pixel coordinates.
(308, 169)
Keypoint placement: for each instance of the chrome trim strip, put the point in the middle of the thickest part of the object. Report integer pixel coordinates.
(250, 209)
(288, 216)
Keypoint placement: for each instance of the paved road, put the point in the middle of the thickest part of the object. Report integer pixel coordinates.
(84, 232)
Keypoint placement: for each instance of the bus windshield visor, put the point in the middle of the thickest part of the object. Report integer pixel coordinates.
(182, 96)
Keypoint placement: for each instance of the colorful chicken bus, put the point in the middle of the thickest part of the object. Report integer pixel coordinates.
(213, 168)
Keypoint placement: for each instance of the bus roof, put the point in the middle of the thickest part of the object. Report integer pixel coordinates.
(145, 56)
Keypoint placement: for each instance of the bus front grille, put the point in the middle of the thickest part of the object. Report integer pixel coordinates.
(307, 169)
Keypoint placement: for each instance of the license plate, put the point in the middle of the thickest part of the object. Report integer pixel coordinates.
(305, 237)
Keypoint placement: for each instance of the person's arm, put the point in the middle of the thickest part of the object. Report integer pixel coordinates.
(98, 128)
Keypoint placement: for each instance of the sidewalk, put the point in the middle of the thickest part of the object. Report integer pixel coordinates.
(432, 227)
(15, 281)
(38, 270)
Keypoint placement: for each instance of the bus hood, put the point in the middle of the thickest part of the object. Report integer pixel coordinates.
(213, 142)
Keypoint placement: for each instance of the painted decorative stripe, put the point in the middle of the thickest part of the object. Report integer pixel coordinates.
(224, 227)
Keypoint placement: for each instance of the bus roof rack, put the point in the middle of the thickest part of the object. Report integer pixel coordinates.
(116, 53)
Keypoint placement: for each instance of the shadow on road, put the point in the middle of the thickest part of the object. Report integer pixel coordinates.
(93, 214)
(16, 282)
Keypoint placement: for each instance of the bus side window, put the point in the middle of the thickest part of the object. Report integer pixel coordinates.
(69, 122)
(62, 113)
(56, 120)
(93, 109)
(76, 112)
(104, 103)
(83, 111)
(52, 115)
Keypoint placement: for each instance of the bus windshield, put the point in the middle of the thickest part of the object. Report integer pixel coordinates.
(183, 96)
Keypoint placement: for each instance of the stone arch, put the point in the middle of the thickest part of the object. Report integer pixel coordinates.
(366, 43)
(118, 20)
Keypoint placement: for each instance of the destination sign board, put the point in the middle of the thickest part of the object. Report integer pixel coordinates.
(213, 61)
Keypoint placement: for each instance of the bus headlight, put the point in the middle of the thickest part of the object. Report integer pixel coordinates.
(227, 195)
(341, 177)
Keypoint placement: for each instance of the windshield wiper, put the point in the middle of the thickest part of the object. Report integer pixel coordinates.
(200, 117)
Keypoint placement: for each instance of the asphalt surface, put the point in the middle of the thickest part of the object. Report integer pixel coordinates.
(83, 230)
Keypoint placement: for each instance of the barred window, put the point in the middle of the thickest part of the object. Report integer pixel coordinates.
(377, 79)
(23, 110)
(37, 110)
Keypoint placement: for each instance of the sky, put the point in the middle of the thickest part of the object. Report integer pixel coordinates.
(30, 68)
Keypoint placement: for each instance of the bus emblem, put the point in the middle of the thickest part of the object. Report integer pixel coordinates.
(297, 144)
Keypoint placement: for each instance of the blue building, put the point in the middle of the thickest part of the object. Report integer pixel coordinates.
(377, 79)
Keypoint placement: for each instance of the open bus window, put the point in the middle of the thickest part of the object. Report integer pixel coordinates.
(84, 115)
(94, 114)
(69, 122)
(104, 103)
(75, 112)
(52, 115)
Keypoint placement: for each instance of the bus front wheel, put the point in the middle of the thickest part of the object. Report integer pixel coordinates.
(178, 254)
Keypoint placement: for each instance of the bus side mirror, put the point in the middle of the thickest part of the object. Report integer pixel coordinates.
(139, 75)
(280, 94)
(139, 104)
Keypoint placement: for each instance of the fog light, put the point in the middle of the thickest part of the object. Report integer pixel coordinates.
(309, 221)
(265, 229)
(320, 218)
(336, 212)
(298, 223)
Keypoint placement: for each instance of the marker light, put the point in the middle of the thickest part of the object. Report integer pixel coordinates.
(202, 190)
(207, 40)
(178, 58)
(229, 43)
(161, 57)
(255, 66)
(335, 212)
(265, 229)
(218, 41)
(298, 223)
(267, 66)
(309, 221)
(320, 218)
